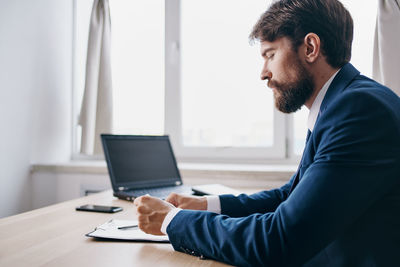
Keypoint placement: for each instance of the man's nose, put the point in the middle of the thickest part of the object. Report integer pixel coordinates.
(266, 75)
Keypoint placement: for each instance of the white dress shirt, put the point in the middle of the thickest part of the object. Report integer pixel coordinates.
(213, 202)
(314, 110)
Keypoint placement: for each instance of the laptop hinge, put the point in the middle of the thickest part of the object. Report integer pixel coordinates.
(121, 188)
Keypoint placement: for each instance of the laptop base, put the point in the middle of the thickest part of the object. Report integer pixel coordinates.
(159, 192)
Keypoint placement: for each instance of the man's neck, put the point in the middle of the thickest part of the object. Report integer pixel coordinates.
(321, 76)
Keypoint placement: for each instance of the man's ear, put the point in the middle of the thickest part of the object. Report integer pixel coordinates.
(312, 46)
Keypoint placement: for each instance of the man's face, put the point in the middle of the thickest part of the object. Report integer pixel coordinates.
(290, 81)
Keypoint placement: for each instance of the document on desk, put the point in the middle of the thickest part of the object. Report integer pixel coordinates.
(124, 230)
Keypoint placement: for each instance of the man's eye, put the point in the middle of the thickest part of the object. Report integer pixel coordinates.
(270, 56)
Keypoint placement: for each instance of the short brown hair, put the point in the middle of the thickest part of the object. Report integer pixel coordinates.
(294, 19)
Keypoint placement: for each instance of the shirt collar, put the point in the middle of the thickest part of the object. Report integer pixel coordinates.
(314, 110)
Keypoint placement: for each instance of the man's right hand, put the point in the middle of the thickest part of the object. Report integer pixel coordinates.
(187, 202)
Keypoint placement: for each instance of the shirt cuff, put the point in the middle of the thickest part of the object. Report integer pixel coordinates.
(170, 215)
(213, 204)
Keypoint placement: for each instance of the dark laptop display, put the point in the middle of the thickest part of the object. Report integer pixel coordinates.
(140, 165)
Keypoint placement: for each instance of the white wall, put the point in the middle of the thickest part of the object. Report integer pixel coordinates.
(35, 93)
(51, 187)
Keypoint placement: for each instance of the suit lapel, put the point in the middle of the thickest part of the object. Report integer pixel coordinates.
(297, 178)
(339, 83)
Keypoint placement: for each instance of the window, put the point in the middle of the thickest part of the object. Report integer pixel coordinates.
(225, 110)
(185, 68)
(137, 64)
(224, 103)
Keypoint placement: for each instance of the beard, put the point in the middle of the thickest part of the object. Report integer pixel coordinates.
(290, 96)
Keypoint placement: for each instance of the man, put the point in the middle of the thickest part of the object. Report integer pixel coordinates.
(342, 206)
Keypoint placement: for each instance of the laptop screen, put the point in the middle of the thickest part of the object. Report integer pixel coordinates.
(140, 161)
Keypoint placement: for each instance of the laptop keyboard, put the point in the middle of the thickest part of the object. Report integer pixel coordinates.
(162, 192)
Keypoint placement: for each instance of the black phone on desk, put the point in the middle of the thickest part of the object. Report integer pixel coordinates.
(98, 208)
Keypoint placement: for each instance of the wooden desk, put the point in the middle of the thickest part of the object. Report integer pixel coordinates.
(55, 236)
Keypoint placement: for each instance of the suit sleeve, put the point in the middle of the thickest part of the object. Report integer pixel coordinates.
(356, 164)
(261, 202)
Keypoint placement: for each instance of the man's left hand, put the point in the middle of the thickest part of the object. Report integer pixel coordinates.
(151, 213)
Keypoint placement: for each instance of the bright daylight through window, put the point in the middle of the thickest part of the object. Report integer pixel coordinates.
(224, 102)
(221, 103)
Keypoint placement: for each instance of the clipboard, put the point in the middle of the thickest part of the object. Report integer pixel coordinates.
(110, 230)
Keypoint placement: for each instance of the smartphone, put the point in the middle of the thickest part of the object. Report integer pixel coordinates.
(98, 208)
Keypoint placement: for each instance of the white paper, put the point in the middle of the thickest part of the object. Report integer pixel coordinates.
(110, 230)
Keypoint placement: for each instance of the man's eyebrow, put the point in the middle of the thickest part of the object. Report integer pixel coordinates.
(264, 52)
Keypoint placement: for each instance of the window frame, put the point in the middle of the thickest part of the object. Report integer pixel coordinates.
(280, 152)
(173, 108)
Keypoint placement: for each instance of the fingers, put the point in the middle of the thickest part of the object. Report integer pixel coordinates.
(179, 201)
(173, 199)
(151, 213)
(142, 205)
(143, 209)
(142, 199)
(143, 223)
(187, 202)
(151, 224)
(143, 220)
(142, 213)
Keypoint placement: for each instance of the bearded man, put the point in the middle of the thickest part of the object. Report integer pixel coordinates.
(342, 206)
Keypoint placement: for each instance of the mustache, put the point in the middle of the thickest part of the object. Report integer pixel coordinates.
(273, 84)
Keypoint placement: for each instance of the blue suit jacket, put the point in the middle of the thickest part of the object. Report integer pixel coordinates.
(342, 206)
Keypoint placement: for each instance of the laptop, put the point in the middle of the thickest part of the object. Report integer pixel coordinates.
(140, 165)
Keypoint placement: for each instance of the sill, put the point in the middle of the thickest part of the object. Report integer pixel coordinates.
(100, 167)
(242, 176)
(79, 167)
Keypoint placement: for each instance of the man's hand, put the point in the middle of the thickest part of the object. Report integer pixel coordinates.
(187, 202)
(151, 213)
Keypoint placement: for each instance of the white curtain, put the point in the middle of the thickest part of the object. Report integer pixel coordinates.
(96, 112)
(386, 66)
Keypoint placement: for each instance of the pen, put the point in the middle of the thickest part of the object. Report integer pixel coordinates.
(127, 227)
